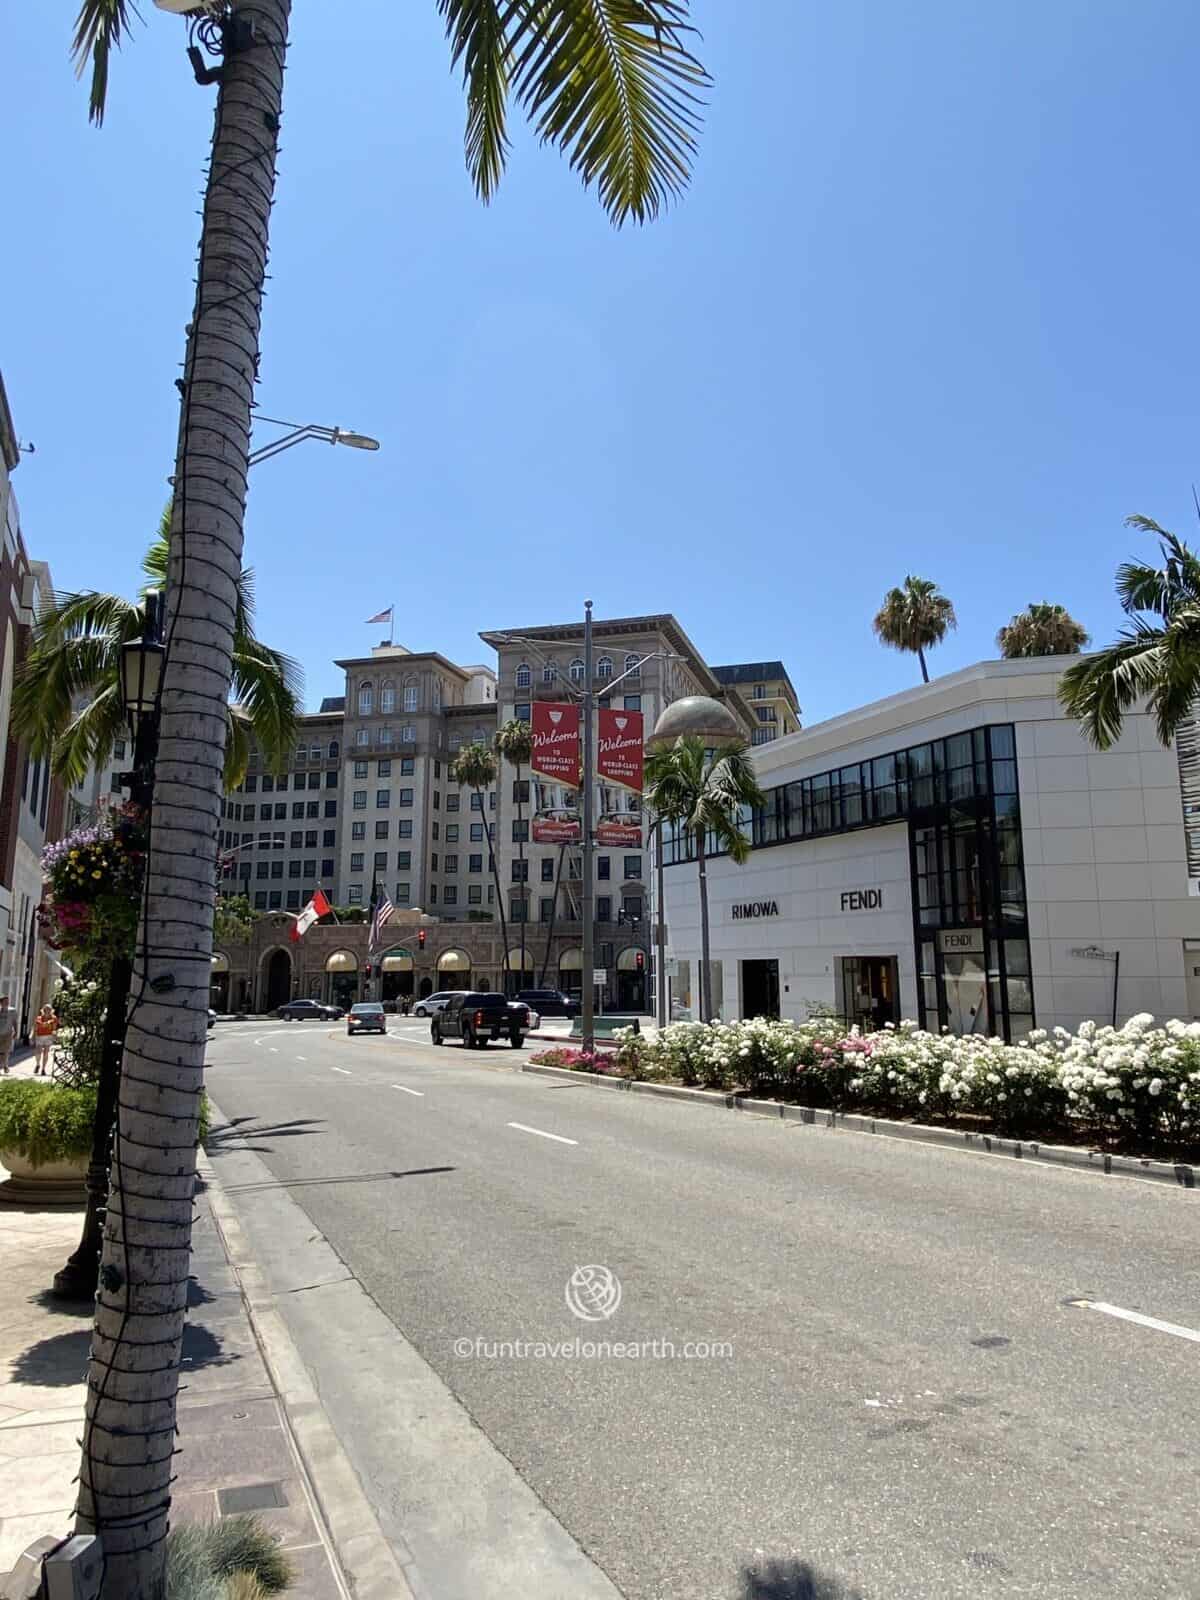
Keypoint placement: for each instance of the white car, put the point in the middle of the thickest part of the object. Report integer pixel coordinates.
(433, 1003)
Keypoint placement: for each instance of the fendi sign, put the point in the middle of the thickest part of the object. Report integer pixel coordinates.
(755, 908)
(862, 900)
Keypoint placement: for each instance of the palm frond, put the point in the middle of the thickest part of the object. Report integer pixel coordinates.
(613, 85)
(1099, 689)
(475, 29)
(266, 685)
(237, 748)
(87, 740)
(100, 28)
(154, 562)
(52, 679)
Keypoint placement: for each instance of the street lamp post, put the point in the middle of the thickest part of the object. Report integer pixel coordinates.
(141, 677)
(298, 432)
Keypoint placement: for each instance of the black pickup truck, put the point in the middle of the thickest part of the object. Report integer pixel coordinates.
(476, 1018)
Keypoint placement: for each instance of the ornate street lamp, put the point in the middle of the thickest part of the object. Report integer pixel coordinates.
(141, 684)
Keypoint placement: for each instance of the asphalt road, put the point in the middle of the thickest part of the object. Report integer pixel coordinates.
(911, 1407)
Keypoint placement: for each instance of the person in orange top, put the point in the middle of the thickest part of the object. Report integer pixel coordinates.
(44, 1030)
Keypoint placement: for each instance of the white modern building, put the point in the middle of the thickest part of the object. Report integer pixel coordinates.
(957, 854)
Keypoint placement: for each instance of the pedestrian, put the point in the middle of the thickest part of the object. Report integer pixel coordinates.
(44, 1031)
(8, 1023)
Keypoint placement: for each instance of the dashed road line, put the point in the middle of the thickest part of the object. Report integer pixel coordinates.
(541, 1133)
(343, 1071)
(1142, 1321)
(404, 1089)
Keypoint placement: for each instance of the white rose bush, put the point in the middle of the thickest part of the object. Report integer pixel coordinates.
(1135, 1087)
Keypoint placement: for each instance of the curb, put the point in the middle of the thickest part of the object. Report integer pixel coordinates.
(1181, 1175)
(367, 1564)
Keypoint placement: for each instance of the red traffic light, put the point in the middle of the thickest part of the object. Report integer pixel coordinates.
(368, 969)
(421, 938)
(641, 960)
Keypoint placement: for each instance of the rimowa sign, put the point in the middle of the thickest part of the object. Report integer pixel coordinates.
(745, 910)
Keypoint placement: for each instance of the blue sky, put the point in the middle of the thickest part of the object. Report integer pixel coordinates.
(928, 306)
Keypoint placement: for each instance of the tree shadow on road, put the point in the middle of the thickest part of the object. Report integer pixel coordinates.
(236, 1134)
(61, 1361)
(793, 1580)
(352, 1177)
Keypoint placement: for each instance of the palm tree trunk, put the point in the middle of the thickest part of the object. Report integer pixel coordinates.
(133, 1376)
(487, 834)
(521, 858)
(705, 975)
(924, 668)
(562, 856)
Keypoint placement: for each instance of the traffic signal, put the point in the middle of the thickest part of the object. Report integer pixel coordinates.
(368, 971)
(640, 960)
(420, 938)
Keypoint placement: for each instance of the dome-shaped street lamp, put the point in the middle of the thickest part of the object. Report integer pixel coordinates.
(697, 716)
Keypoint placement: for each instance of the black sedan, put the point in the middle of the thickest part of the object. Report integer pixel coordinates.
(308, 1011)
(366, 1018)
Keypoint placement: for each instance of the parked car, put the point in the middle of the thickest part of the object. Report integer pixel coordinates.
(550, 1002)
(433, 1003)
(476, 1018)
(308, 1011)
(369, 1017)
(212, 1016)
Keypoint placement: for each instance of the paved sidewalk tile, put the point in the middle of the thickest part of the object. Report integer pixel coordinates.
(235, 1450)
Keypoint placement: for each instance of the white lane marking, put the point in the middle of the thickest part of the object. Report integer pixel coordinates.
(343, 1072)
(1142, 1321)
(541, 1133)
(272, 1048)
(301, 1058)
(420, 1093)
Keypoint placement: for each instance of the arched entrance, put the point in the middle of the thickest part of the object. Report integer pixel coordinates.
(519, 972)
(426, 988)
(341, 974)
(570, 972)
(454, 970)
(218, 990)
(396, 974)
(279, 980)
(631, 980)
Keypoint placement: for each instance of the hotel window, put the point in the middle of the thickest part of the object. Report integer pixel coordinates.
(328, 838)
(383, 769)
(260, 900)
(385, 738)
(310, 839)
(360, 800)
(550, 672)
(412, 696)
(381, 830)
(380, 860)
(314, 753)
(276, 899)
(437, 799)
(356, 861)
(407, 766)
(327, 867)
(354, 895)
(518, 909)
(520, 872)
(603, 908)
(476, 800)
(475, 863)
(330, 808)
(363, 737)
(296, 839)
(249, 813)
(604, 866)
(450, 895)
(546, 908)
(404, 828)
(262, 870)
(520, 791)
(521, 711)
(408, 734)
(451, 864)
(476, 832)
(293, 899)
(383, 799)
(520, 831)
(387, 699)
(577, 670)
(281, 784)
(433, 857)
(762, 735)
(433, 894)
(474, 894)
(366, 700)
(523, 677)
(455, 740)
(294, 869)
(405, 797)
(633, 702)
(268, 784)
(604, 667)
(310, 869)
(631, 907)
(403, 893)
(547, 869)
(333, 749)
(436, 831)
(452, 833)
(633, 866)
(314, 780)
(403, 860)
(633, 665)
(360, 769)
(765, 713)
(277, 869)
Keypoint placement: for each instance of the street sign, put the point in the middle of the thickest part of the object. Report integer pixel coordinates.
(1093, 952)
(600, 975)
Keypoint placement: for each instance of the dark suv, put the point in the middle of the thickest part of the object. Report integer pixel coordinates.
(476, 1018)
(550, 1002)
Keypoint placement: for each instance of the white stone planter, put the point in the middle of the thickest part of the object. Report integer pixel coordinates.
(54, 1183)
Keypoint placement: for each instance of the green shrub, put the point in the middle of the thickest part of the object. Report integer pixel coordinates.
(45, 1122)
(217, 1560)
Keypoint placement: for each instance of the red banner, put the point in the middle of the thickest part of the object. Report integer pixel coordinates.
(620, 755)
(555, 730)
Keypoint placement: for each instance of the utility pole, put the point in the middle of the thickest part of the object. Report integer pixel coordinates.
(588, 1013)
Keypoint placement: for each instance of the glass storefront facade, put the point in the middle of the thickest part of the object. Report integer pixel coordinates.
(959, 797)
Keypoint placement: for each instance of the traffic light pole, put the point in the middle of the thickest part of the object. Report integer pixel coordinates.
(587, 1021)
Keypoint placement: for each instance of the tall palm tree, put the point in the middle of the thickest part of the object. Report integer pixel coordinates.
(704, 793)
(514, 743)
(1041, 630)
(76, 655)
(475, 767)
(1156, 658)
(915, 618)
(613, 84)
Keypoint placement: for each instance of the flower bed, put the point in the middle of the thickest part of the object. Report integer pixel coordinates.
(1135, 1088)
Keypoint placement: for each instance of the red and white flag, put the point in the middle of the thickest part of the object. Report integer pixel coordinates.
(316, 908)
(380, 616)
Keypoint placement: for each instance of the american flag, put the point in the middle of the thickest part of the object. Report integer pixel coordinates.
(381, 914)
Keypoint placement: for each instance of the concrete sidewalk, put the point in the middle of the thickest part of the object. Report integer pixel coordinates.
(237, 1451)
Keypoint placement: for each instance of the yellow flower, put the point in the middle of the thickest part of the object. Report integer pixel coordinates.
(74, 855)
(97, 874)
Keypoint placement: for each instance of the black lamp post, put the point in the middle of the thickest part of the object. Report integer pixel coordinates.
(141, 680)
